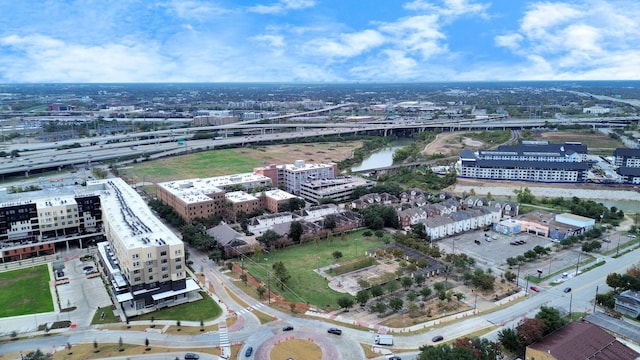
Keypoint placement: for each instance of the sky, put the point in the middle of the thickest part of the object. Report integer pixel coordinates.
(102, 41)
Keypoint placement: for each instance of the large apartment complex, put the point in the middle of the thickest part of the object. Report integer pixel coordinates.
(34, 223)
(290, 177)
(531, 161)
(143, 260)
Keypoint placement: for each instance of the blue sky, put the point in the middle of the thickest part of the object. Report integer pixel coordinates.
(318, 40)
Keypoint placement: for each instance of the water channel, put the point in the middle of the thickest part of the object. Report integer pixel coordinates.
(382, 157)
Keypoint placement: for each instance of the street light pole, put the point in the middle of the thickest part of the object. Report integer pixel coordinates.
(518, 276)
(578, 262)
(570, 302)
(268, 289)
(475, 303)
(526, 287)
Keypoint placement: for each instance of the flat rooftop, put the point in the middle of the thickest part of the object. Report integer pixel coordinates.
(194, 190)
(127, 213)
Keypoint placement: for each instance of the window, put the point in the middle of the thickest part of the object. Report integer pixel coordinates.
(136, 279)
(165, 268)
(149, 256)
(178, 267)
(178, 259)
(163, 261)
(148, 263)
(136, 263)
(165, 276)
(135, 256)
(150, 270)
(137, 271)
(163, 253)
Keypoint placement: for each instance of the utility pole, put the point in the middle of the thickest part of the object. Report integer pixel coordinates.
(526, 287)
(268, 289)
(578, 262)
(570, 302)
(518, 276)
(595, 301)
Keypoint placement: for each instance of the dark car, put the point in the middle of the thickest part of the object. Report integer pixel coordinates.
(477, 241)
(395, 358)
(606, 240)
(534, 288)
(334, 331)
(567, 290)
(437, 338)
(287, 328)
(249, 351)
(191, 356)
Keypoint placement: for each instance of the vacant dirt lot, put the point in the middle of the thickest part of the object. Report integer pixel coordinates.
(593, 140)
(452, 143)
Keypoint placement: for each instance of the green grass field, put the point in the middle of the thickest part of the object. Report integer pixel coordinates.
(234, 161)
(25, 291)
(301, 260)
(205, 309)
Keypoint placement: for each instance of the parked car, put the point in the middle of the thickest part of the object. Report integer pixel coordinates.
(394, 357)
(477, 241)
(287, 328)
(606, 240)
(487, 239)
(437, 338)
(334, 331)
(631, 236)
(191, 356)
(249, 351)
(567, 290)
(534, 288)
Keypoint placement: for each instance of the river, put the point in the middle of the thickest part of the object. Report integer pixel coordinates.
(382, 157)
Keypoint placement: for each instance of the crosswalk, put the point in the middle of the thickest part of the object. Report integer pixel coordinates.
(225, 345)
(249, 309)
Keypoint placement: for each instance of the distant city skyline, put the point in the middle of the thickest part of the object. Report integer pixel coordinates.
(318, 41)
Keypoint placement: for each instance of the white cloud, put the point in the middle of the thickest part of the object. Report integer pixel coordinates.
(579, 40)
(511, 41)
(451, 8)
(43, 59)
(282, 6)
(347, 45)
(192, 9)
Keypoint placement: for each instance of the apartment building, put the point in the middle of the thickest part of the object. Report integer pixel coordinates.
(472, 166)
(34, 223)
(290, 177)
(241, 201)
(143, 260)
(201, 198)
(337, 189)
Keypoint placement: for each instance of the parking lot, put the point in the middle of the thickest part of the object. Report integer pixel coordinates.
(493, 250)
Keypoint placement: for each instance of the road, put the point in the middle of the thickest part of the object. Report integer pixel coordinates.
(251, 332)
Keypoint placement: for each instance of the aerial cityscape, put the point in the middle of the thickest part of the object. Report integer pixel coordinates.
(318, 180)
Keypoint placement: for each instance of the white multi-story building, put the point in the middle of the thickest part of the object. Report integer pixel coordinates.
(290, 177)
(143, 259)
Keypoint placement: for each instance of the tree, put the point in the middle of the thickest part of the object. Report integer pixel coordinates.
(509, 338)
(425, 292)
(362, 296)
(407, 282)
(345, 302)
(268, 238)
(552, 319)
(296, 203)
(295, 231)
(261, 290)
(524, 196)
(530, 254)
(411, 296)
(336, 254)
(392, 286)
(614, 280)
(396, 303)
(530, 330)
(510, 276)
(419, 279)
(377, 290)
(330, 223)
(281, 273)
(512, 261)
(36, 355)
(380, 307)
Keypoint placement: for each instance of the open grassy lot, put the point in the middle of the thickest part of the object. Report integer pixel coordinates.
(25, 291)
(205, 309)
(593, 140)
(233, 161)
(305, 285)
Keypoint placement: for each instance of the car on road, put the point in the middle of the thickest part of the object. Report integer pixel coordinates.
(631, 236)
(477, 241)
(437, 338)
(534, 288)
(287, 328)
(567, 290)
(606, 240)
(487, 239)
(249, 351)
(394, 357)
(334, 331)
(191, 356)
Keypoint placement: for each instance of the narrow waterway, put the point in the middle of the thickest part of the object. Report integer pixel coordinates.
(382, 157)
